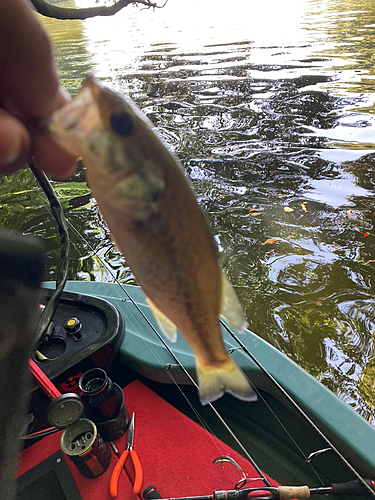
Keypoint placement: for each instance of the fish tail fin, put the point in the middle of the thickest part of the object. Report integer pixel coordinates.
(214, 381)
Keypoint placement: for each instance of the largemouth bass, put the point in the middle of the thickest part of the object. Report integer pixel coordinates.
(158, 225)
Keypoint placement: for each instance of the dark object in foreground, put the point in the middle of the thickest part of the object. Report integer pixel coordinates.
(21, 271)
(49, 479)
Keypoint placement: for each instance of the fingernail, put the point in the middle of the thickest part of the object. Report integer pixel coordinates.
(12, 153)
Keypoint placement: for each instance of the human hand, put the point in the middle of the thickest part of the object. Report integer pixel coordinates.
(29, 92)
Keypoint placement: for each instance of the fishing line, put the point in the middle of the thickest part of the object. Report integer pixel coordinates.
(167, 370)
(63, 233)
(190, 404)
(283, 426)
(217, 414)
(290, 436)
(301, 412)
(272, 379)
(192, 407)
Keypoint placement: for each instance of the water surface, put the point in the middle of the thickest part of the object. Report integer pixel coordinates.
(270, 107)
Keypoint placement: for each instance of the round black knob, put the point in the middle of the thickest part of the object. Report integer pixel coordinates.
(72, 325)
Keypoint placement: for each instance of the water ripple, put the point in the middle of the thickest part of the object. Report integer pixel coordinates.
(274, 124)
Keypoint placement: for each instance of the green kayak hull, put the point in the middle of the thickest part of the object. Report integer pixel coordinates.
(145, 354)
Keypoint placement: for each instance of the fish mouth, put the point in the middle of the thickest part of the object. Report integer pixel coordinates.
(70, 116)
(76, 119)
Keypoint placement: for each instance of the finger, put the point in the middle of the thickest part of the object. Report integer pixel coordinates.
(29, 79)
(63, 97)
(14, 143)
(50, 158)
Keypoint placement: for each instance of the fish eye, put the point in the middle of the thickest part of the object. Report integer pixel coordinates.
(121, 123)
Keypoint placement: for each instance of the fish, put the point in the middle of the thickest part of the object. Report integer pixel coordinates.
(156, 222)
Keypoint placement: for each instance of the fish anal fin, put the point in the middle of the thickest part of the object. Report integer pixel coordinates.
(214, 381)
(166, 326)
(231, 310)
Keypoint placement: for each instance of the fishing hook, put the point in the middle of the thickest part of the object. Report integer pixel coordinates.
(168, 366)
(220, 460)
(244, 480)
(315, 454)
(232, 349)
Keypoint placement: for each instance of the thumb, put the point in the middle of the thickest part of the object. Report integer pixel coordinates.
(14, 143)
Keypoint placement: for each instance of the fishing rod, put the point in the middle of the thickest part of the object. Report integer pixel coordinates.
(359, 478)
(217, 414)
(274, 492)
(46, 319)
(62, 221)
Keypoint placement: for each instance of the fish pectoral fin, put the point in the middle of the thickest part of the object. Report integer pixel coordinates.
(231, 310)
(214, 381)
(166, 326)
(146, 185)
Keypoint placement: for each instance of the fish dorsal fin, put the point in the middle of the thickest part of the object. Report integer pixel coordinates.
(166, 326)
(231, 310)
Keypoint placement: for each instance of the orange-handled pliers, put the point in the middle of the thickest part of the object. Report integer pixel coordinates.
(121, 462)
